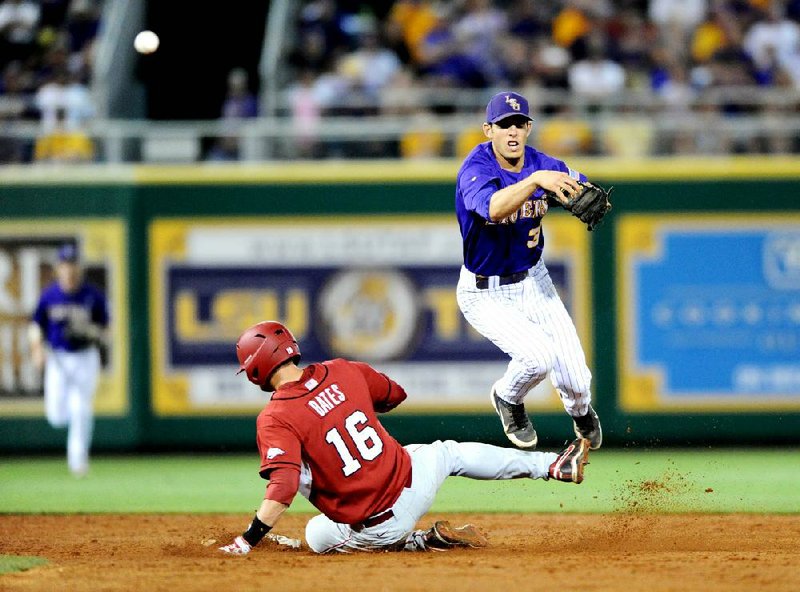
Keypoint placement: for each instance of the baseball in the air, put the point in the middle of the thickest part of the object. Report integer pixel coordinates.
(146, 42)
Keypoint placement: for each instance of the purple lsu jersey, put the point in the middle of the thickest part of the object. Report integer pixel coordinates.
(515, 243)
(58, 310)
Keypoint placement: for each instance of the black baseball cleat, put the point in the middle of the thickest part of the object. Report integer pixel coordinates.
(443, 536)
(516, 423)
(588, 426)
(569, 465)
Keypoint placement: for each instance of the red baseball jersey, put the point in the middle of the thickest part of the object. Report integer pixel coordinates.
(327, 419)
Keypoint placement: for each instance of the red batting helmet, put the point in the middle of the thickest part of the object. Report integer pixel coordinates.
(264, 347)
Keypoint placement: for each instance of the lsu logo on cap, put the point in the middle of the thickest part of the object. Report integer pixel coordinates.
(513, 103)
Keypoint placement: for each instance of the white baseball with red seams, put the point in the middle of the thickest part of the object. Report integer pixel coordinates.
(146, 42)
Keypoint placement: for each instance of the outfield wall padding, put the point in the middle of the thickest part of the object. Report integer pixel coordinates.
(140, 196)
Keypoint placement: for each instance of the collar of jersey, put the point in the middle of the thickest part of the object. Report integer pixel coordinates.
(297, 389)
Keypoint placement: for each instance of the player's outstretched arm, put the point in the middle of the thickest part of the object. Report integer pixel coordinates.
(266, 517)
(508, 200)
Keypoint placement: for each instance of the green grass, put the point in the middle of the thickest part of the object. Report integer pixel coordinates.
(11, 563)
(748, 480)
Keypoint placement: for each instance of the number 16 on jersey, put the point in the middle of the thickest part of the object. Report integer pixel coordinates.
(366, 441)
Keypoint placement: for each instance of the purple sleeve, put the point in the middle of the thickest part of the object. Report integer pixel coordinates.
(476, 189)
(40, 315)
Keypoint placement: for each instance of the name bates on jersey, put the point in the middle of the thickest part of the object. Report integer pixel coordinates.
(327, 400)
(532, 208)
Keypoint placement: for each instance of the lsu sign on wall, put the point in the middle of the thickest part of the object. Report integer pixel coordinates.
(377, 289)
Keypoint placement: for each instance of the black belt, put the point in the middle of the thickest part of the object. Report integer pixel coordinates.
(482, 281)
(373, 520)
(380, 517)
(77, 350)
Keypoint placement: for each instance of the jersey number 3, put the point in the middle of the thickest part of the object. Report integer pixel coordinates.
(534, 234)
(366, 440)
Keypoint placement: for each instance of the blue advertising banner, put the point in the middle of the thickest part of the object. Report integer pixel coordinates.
(372, 315)
(380, 290)
(711, 312)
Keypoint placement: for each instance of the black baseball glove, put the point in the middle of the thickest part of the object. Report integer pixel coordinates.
(83, 335)
(590, 205)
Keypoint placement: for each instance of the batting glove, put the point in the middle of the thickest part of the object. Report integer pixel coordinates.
(239, 546)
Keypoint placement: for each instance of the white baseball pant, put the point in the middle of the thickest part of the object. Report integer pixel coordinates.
(529, 322)
(70, 380)
(431, 464)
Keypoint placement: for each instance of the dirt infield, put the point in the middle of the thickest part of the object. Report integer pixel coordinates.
(625, 552)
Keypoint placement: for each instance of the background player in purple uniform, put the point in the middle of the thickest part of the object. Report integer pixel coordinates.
(505, 290)
(69, 324)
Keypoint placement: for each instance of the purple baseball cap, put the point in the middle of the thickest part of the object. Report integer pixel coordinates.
(68, 253)
(506, 104)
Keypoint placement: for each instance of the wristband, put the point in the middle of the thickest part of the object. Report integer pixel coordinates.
(256, 531)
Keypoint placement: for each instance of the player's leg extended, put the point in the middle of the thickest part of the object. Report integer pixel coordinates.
(475, 460)
(55, 391)
(571, 375)
(79, 432)
(85, 367)
(486, 462)
(441, 459)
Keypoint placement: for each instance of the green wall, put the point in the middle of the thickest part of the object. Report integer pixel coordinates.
(139, 203)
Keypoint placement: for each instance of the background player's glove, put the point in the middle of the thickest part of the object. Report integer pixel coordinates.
(83, 335)
(590, 205)
(239, 546)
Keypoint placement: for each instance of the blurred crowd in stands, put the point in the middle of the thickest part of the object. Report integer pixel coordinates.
(46, 53)
(577, 60)
(605, 77)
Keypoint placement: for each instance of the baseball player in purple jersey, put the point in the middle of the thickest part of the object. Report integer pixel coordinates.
(71, 319)
(505, 290)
